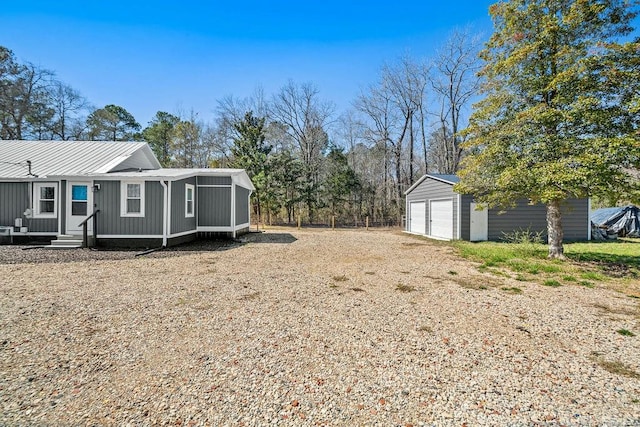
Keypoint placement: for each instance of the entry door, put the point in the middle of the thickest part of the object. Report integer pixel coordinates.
(479, 225)
(79, 205)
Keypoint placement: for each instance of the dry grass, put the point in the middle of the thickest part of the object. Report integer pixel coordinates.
(618, 368)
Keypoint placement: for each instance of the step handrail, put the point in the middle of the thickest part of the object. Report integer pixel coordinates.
(85, 238)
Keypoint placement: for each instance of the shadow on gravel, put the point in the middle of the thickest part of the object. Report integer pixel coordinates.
(37, 255)
(14, 254)
(268, 238)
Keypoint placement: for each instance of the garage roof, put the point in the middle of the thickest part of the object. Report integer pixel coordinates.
(447, 179)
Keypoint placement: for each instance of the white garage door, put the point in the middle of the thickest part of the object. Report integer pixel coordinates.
(441, 218)
(417, 214)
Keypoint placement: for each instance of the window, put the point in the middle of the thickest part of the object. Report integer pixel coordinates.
(189, 191)
(79, 200)
(45, 202)
(132, 199)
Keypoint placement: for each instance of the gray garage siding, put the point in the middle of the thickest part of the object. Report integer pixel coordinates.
(214, 206)
(533, 217)
(431, 189)
(465, 216)
(214, 180)
(16, 199)
(179, 222)
(242, 205)
(107, 200)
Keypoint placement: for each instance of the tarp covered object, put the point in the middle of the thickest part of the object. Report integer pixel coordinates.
(622, 221)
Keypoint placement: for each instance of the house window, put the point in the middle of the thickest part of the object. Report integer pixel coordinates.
(45, 201)
(132, 199)
(79, 200)
(189, 191)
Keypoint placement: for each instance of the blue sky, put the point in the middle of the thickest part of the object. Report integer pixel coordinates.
(178, 56)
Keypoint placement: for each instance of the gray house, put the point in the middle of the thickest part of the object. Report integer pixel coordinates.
(435, 210)
(50, 188)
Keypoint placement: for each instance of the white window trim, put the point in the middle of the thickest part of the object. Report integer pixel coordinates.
(36, 200)
(193, 200)
(123, 199)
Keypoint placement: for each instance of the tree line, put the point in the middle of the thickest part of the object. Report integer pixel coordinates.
(304, 157)
(557, 116)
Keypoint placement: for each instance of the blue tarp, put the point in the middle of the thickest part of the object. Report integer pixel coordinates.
(612, 222)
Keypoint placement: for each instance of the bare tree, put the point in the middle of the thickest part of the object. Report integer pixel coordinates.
(393, 116)
(455, 82)
(187, 143)
(69, 108)
(231, 110)
(306, 118)
(380, 119)
(24, 109)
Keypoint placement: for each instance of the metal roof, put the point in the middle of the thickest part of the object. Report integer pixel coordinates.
(72, 158)
(181, 173)
(447, 179)
(452, 179)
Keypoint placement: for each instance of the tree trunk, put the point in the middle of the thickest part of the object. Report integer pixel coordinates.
(554, 230)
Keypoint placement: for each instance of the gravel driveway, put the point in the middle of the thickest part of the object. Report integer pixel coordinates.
(306, 327)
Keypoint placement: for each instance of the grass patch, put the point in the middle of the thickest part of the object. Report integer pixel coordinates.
(626, 333)
(405, 288)
(619, 311)
(513, 290)
(521, 278)
(618, 368)
(593, 275)
(425, 328)
(552, 283)
(616, 263)
(342, 278)
(453, 273)
(357, 289)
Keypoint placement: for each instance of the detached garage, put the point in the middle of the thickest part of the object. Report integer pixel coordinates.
(435, 210)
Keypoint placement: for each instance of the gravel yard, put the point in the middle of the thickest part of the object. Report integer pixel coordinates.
(306, 327)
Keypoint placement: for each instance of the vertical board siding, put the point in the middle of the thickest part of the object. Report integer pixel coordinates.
(242, 205)
(214, 206)
(431, 189)
(107, 199)
(465, 216)
(15, 199)
(42, 225)
(63, 205)
(575, 220)
(214, 180)
(575, 216)
(179, 222)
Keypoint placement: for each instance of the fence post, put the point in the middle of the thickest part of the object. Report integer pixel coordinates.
(367, 222)
(333, 222)
(298, 222)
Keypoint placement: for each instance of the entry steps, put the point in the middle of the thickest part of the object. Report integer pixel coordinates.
(66, 241)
